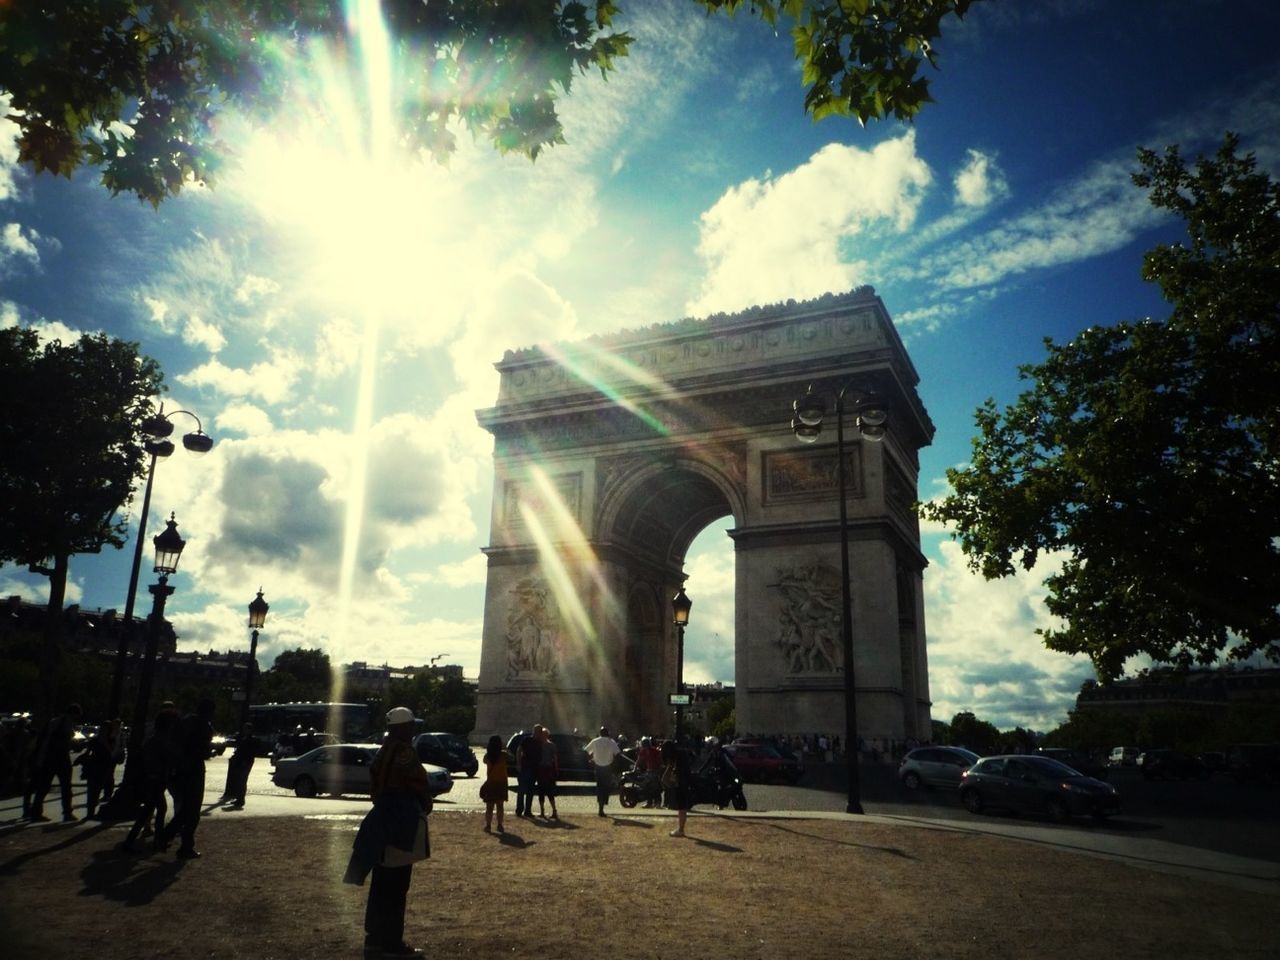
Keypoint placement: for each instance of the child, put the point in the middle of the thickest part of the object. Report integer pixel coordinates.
(494, 789)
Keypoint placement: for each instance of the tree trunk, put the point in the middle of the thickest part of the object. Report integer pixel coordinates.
(51, 654)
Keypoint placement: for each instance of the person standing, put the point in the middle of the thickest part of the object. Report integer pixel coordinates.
(649, 763)
(528, 756)
(676, 777)
(53, 759)
(193, 739)
(99, 764)
(241, 765)
(157, 769)
(494, 789)
(401, 799)
(548, 773)
(603, 751)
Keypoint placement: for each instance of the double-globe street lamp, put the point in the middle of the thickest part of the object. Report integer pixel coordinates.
(158, 428)
(872, 415)
(680, 607)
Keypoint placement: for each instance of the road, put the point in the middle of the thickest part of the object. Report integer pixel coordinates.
(1216, 815)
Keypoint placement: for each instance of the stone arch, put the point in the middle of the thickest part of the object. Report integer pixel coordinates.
(612, 455)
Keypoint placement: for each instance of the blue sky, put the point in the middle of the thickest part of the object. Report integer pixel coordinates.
(691, 183)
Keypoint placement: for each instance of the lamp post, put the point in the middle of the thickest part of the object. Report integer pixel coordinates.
(872, 415)
(157, 428)
(168, 545)
(680, 607)
(257, 617)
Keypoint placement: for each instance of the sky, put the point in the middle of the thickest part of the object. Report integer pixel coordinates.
(691, 182)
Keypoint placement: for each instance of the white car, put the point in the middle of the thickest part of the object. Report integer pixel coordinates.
(341, 768)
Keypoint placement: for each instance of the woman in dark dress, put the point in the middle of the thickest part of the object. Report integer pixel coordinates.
(677, 780)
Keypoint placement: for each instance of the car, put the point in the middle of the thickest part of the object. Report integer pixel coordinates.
(935, 766)
(1171, 765)
(1034, 784)
(296, 744)
(1254, 762)
(760, 762)
(218, 745)
(1076, 760)
(570, 751)
(341, 768)
(1123, 757)
(446, 750)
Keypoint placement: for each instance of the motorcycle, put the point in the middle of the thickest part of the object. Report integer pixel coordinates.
(720, 784)
(639, 786)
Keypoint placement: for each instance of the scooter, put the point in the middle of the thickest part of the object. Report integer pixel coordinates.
(720, 784)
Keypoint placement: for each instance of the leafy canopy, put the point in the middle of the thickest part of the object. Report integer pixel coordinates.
(72, 450)
(1149, 452)
(135, 88)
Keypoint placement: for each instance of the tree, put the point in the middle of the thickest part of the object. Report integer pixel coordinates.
(136, 87)
(977, 735)
(72, 451)
(1149, 452)
(299, 674)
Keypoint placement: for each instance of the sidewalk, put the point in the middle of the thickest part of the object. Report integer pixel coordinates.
(741, 886)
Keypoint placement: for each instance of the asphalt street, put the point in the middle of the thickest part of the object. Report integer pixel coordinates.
(1216, 830)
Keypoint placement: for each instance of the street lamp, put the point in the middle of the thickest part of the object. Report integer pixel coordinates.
(680, 607)
(257, 617)
(872, 416)
(158, 427)
(168, 546)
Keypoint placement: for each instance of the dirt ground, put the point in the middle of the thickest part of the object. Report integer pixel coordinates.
(618, 887)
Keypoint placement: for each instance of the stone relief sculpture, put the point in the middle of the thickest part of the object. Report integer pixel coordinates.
(533, 630)
(809, 619)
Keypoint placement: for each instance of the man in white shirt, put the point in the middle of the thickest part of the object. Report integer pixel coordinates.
(603, 750)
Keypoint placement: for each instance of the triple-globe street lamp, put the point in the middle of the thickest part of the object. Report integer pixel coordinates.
(158, 428)
(872, 415)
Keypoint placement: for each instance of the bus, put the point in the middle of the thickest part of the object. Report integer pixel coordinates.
(349, 722)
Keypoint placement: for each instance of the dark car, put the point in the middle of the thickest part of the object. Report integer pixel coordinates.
(1171, 765)
(446, 750)
(935, 766)
(1076, 760)
(1032, 784)
(760, 762)
(570, 751)
(1254, 762)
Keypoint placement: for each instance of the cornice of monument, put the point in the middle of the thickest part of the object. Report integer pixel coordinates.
(714, 323)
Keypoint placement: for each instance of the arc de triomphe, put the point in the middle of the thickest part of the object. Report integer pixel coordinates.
(612, 454)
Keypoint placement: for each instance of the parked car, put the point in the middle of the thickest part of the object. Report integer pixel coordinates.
(341, 768)
(1171, 765)
(570, 751)
(1123, 757)
(1033, 784)
(760, 762)
(935, 766)
(1076, 760)
(1254, 762)
(446, 750)
(296, 744)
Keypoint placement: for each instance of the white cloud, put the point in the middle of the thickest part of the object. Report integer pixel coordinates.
(17, 582)
(15, 243)
(201, 334)
(474, 571)
(983, 652)
(254, 288)
(980, 182)
(9, 168)
(244, 418)
(271, 381)
(782, 237)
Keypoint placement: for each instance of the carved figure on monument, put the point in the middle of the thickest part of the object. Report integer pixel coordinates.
(533, 630)
(809, 620)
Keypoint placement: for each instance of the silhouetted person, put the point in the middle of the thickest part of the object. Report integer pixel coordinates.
(603, 751)
(241, 764)
(53, 759)
(192, 740)
(99, 764)
(158, 758)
